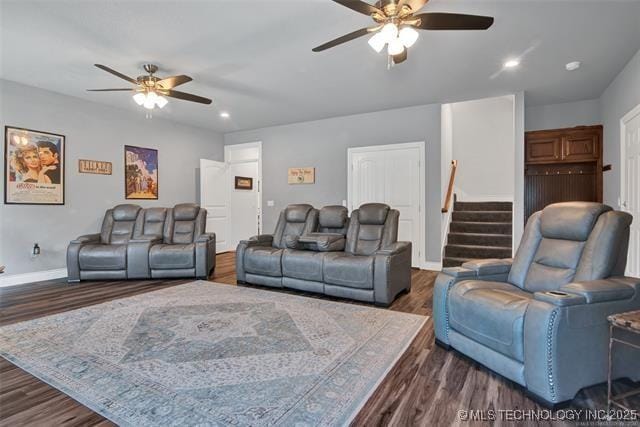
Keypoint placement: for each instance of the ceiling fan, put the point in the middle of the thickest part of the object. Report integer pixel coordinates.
(396, 23)
(150, 91)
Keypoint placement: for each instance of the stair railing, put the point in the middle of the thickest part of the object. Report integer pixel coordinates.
(452, 177)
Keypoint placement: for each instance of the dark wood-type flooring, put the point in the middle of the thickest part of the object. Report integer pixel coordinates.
(428, 385)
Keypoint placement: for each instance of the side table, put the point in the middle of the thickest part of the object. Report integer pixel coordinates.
(629, 321)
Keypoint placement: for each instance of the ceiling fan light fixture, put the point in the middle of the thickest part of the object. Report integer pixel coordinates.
(408, 36)
(389, 32)
(150, 101)
(161, 101)
(395, 47)
(139, 98)
(377, 42)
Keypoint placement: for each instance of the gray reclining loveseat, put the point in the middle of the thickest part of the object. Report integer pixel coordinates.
(136, 243)
(357, 258)
(541, 319)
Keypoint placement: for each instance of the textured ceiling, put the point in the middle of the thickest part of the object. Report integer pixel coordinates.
(254, 57)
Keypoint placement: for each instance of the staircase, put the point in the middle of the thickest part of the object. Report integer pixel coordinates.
(478, 230)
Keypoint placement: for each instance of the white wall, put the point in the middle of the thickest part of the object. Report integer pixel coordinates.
(323, 144)
(483, 145)
(622, 95)
(566, 115)
(98, 132)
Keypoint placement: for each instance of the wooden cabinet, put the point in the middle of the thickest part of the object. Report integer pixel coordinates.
(580, 144)
(543, 150)
(562, 165)
(581, 147)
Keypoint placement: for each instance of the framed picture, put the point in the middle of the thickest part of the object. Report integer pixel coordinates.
(34, 167)
(140, 173)
(243, 183)
(301, 175)
(97, 167)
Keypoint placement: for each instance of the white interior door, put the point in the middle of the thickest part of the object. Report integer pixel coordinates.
(244, 160)
(214, 197)
(630, 188)
(392, 174)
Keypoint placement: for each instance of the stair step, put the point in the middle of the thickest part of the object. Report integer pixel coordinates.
(453, 262)
(481, 227)
(480, 239)
(476, 252)
(483, 206)
(482, 216)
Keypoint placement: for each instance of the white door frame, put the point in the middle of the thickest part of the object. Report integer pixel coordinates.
(422, 184)
(623, 147)
(227, 154)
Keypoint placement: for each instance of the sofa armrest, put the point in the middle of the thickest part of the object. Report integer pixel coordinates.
(394, 248)
(605, 290)
(205, 237)
(87, 238)
(259, 240)
(318, 242)
(489, 266)
(205, 254)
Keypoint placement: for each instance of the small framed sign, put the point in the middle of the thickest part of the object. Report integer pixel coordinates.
(243, 183)
(301, 176)
(94, 166)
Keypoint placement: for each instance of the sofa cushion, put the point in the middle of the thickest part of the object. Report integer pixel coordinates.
(490, 313)
(348, 270)
(172, 256)
(263, 260)
(306, 265)
(103, 257)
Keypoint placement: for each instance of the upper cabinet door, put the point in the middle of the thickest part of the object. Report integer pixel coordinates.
(581, 146)
(543, 150)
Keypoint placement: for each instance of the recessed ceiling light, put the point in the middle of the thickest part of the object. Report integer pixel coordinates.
(225, 115)
(572, 66)
(512, 63)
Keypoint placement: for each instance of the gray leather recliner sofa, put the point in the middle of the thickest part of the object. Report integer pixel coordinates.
(136, 243)
(367, 264)
(541, 319)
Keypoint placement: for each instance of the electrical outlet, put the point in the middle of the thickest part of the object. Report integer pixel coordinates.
(271, 203)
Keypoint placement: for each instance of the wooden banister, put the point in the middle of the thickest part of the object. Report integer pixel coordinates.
(452, 177)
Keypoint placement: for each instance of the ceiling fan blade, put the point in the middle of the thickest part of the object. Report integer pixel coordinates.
(187, 96)
(173, 81)
(401, 57)
(453, 21)
(415, 5)
(108, 90)
(347, 37)
(360, 6)
(116, 73)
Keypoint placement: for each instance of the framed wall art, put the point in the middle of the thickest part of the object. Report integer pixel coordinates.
(34, 166)
(243, 183)
(97, 167)
(301, 175)
(140, 173)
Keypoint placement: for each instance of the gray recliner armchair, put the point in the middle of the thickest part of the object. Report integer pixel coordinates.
(103, 255)
(186, 249)
(259, 259)
(541, 319)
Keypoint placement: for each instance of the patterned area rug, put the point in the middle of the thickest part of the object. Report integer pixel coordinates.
(208, 354)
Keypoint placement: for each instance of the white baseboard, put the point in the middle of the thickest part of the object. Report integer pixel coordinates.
(36, 276)
(430, 265)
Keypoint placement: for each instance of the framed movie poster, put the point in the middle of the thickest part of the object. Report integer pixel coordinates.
(34, 166)
(140, 173)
